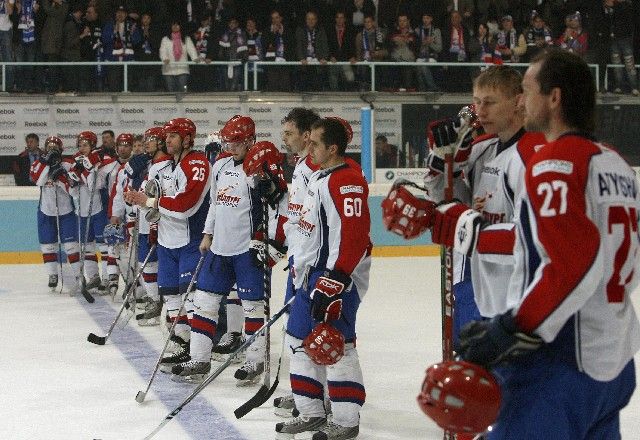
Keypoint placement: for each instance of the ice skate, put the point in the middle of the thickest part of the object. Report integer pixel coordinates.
(190, 371)
(331, 431)
(229, 342)
(285, 406)
(103, 287)
(53, 282)
(177, 357)
(249, 373)
(151, 314)
(93, 283)
(113, 285)
(299, 428)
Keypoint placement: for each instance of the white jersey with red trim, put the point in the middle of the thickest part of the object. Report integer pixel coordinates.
(496, 176)
(117, 206)
(297, 192)
(54, 196)
(109, 169)
(182, 204)
(159, 167)
(334, 226)
(578, 254)
(86, 193)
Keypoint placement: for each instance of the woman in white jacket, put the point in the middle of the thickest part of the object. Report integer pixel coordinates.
(174, 48)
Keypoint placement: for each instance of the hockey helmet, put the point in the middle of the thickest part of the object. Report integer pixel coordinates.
(347, 127)
(88, 136)
(324, 345)
(55, 140)
(125, 138)
(237, 129)
(183, 126)
(263, 156)
(405, 214)
(460, 397)
(156, 133)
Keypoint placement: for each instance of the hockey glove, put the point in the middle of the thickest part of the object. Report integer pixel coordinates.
(87, 163)
(55, 171)
(457, 225)
(449, 135)
(489, 343)
(326, 297)
(272, 189)
(277, 251)
(136, 166)
(153, 234)
(53, 158)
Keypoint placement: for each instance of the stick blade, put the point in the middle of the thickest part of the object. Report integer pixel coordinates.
(260, 397)
(140, 396)
(95, 339)
(87, 296)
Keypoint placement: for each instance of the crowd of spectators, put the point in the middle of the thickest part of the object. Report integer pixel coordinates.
(314, 33)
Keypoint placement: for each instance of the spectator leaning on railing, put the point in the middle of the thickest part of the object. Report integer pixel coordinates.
(279, 45)
(370, 46)
(233, 47)
(119, 37)
(176, 47)
(52, 39)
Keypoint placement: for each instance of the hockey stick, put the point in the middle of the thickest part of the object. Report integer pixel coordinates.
(100, 340)
(263, 393)
(266, 390)
(55, 192)
(83, 281)
(142, 394)
(220, 369)
(446, 252)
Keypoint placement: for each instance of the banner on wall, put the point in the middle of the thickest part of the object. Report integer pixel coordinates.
(66, 120)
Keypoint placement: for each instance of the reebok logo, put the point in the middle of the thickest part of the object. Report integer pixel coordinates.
(66, 111)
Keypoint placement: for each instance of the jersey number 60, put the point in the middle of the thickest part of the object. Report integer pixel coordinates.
(352, 207)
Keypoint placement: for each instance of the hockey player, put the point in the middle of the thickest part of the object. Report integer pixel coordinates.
(331, 275)
(137, 169)
(296, 129)
(57, 223)
(234, 217)
(570, 339)
(113, 171)
(91, 213)
(179, 195)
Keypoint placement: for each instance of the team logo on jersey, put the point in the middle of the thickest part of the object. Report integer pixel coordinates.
(294, 209)
(224, 199)
(305, 227)
(231, 173)
(552, 166)
(351, 189)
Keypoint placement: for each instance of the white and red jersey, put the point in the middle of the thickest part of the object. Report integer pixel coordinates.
(117, 206)
(87, 192)
(496, 176)
(54, 196)
(334, 226)
(236, 209)
(578, 253)
(182, 205)
(108, 171)
(297, 192)
(161, 165)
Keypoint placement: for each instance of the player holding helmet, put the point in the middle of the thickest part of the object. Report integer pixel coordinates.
(178, 194)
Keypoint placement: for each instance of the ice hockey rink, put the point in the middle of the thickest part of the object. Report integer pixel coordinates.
(56, 385)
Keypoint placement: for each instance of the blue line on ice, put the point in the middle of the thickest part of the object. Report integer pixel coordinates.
(199, 418)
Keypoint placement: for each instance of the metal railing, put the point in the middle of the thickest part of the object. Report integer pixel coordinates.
(259, 67)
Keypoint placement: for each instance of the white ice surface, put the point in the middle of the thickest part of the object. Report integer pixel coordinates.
(56, 385)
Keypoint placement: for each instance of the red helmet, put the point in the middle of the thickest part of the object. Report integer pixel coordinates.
(88, 136)
(347, 127)
(53, 140)
(183, 126)
(156, 133)
(238, 129)
(460, 397)
(405, 214)
(324, 345)
(125, 138)
(262, 154)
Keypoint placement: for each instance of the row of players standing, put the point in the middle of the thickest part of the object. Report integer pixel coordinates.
(546, 255)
